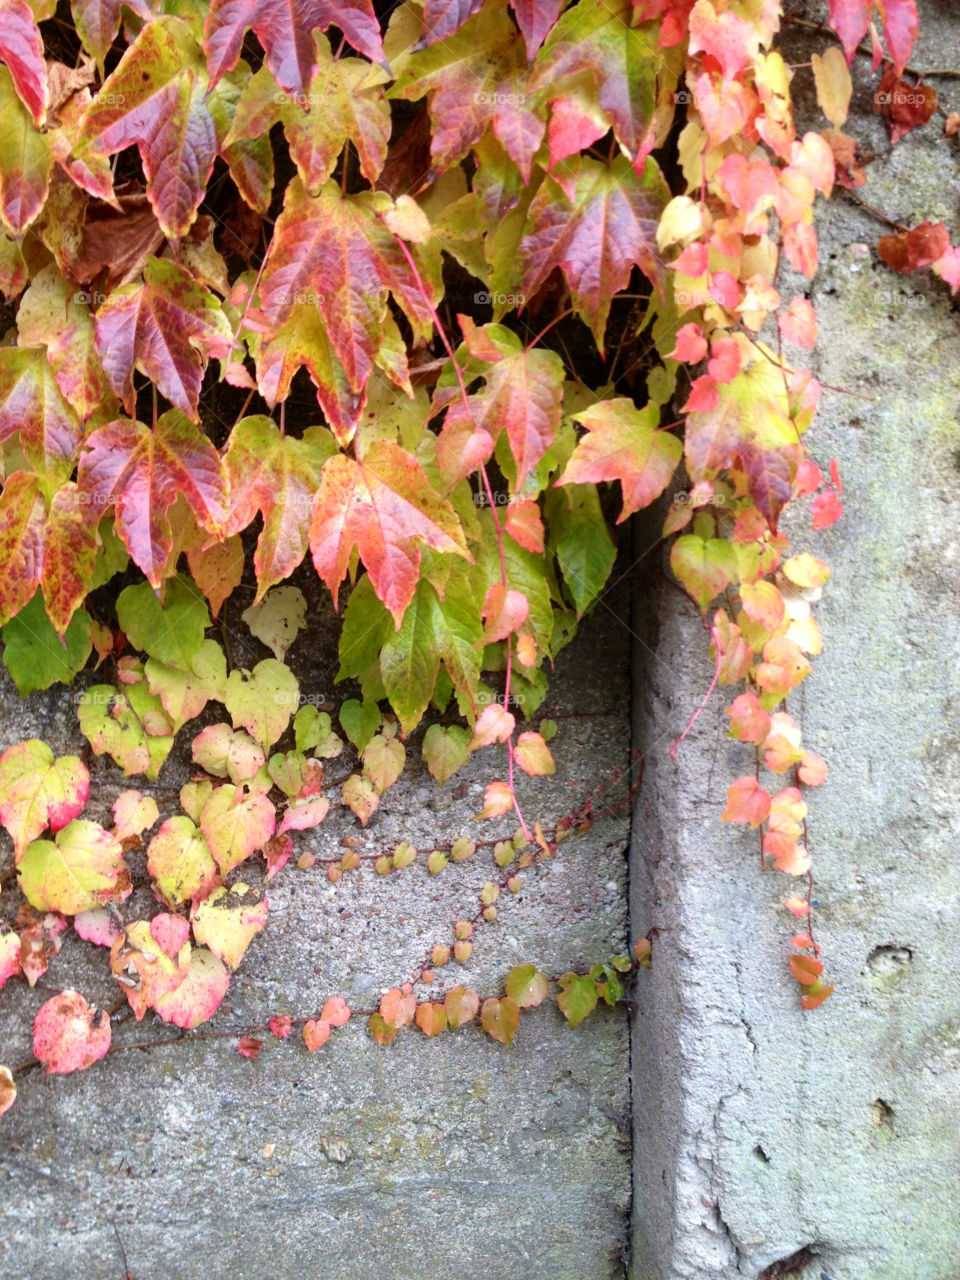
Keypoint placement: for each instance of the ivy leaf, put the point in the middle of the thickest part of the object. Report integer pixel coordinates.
(580, 540)
(236, 824)
(278, 619)
(475, 80)
(533, 755)
(133, 813)
(431, 1018)
(115, 724)
(8, 1090)
(143, 969)
(380, 505)
(39, 791)
(851, 19)
(180, 861)
(706, 567)
(69, 557)
(200, 994)
(360, 721)
(433, 631)
(166, 327)
(461, 1005)
(98, 21)
(81, 868)
(747, 802)
(227, 753)
(32, 407)
(383, 761)
(262, 701)
(597, 236)
(284, 28)
(525, 985)
(304, 814)
(344, 101)
(171, 632)
(600, 42)
(26, 160)
(228, 929)
(361, 796)
(577, 997)
(36, 656)
(500, 1019)
(185, 692)
(445, 749)
(276, 475)
(21, 48)
(523, 394)
(623, 444)
(535, 18)
(217, 570)
(141, 472)
(155, 100)
(67, 1035)
(334, 250)
(54, 313)
(22, 511)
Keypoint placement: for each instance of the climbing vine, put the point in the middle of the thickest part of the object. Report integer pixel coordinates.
(513, 254)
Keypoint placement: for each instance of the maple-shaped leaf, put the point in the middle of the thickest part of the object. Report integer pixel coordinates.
(98, 21)
(141, 473)
(749, 429)
(475, 80)
(851, 19)
(22, 513)
(523, 395)
(382, 505)
(345, 102)
(600, 42)
(623, 443)
(82, 867)
(597, 236)
(155, 100)
(21, 48)
(276, 475)
(39, 791)
(32, 407)
(285, 29)
(167, 327)
(335, 250)
(68, 1035)
(26, 160)
(536, 19)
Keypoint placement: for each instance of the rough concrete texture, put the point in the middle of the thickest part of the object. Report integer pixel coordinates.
(762, 1131)
(427, 1159)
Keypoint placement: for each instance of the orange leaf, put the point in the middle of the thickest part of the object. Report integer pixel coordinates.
(805, 969)
(431, 1018)
(746, 802)
(316, 1033)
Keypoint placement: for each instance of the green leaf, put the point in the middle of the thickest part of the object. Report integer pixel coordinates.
(26, 159)
(180, 861)
(184, 694)
(236, 824)
(383, 761)
(705, 567)
(580, 540)
(360, 721)
(445, 749)
(278, 619)
(577, 997)
(262, 701)
(33, 652)
(367, 626)
(115, 723)
(171, 632)
(500, 1019)
(525, 985)
(81, 868)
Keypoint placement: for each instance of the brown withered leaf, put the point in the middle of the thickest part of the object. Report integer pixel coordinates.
(117, 241)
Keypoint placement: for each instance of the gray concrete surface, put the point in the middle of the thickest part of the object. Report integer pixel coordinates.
(426, 1159)
(761, 1131)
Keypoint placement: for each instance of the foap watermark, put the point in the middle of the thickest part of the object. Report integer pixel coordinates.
(319, 700)
(500, 299)
(500, 499)
(897, 298)
(306, 100)
(111, 99)
(299, 298)
(690, 299)
(497, 99)
(900, 97)
(700, 98)
(690, 498)
(486, 697)
(90, 296)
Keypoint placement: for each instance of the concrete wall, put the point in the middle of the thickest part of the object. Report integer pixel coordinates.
(762, 1131)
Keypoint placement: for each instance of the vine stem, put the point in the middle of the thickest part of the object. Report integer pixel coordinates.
(675, 746)
(498, 528)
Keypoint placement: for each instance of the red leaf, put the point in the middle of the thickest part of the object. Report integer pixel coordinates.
(851, 18)
(285, 29)
(535, 18)
(525, 525)
(380, 505)
(70, 553)
(748, 720)
(336, 1012)
(596, 237)
(805, 968)
(166, 327)
(334, 251)
(98, 21)
(21, 542)
(32, 407)
(623, 443)
(141, 472)
(746, 802)
(397, 1007)
(316, 1033)
(280, 1026)
(66, 1034)
(249, 1047)
(505, 612)
(155, 100)
(21, 48)
(441, 18)
(826, 509)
